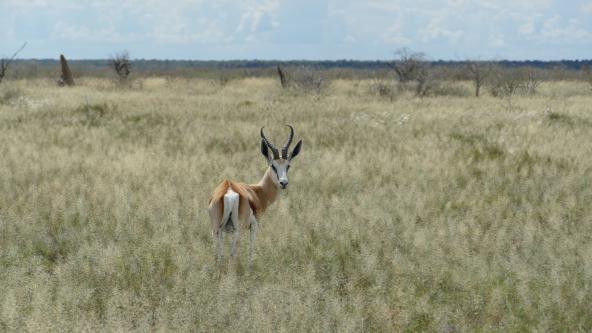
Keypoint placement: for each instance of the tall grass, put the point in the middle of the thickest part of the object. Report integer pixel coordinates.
(434, 214)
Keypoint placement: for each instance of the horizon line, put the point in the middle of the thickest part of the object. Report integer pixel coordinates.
(309, 60)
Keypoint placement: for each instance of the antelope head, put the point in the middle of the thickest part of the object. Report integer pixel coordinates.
(279, 162)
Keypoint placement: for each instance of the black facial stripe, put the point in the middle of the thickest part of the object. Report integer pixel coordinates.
(276, 173)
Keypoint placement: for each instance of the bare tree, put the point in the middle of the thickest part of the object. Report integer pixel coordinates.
(306, 79)
(511, 81)
(5, 62)
(409, 66)
(478, 71)
(532, 80)
(412, 68)
(66, 78)
(121, 65)
(505, 82)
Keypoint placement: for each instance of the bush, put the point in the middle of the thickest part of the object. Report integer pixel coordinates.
(92, 115)
(391, 90)
(413, 71)
(587, 74)
(449, 88)
(9, 95)
(383, 89)
(306, 79)
(509, 82)
(121, 65)
(478, 72)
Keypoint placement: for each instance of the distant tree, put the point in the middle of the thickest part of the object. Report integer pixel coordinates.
(409, 66)
(121, 65)
(478, 71)
(5, 62)
(412, 67)
(532, 80)
(306, 79)
(511, 81)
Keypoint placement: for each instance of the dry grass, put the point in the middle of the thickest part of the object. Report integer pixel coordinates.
(434, 214)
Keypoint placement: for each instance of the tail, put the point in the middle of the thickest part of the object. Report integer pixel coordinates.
(231, 199)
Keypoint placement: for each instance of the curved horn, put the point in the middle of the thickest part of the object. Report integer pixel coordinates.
(287, 145)
(273, 148)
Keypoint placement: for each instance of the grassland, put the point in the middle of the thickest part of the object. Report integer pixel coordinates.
(435, 214)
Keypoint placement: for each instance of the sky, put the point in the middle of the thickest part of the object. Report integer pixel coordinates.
(298, 29)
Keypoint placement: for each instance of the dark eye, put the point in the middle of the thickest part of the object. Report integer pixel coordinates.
(288, 168)
(274, 169)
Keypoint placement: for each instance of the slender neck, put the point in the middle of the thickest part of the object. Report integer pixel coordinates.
(269, 184)
(269, 187)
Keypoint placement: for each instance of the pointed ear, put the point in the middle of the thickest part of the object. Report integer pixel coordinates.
(296, 150)
(264, 150)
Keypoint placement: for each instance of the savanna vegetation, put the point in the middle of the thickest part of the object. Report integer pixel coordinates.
(442, 212)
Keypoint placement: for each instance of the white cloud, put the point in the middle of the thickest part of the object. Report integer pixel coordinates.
(251, 20)
(202, 31)
(528, 27)
(7, 26)
(140, 20)
(556, 28)
(514, 5)
(497, 41)
(587, 7)
(384, 5)
(349, 39)
(81, 33)
(437, 30)
(394, 35)
(36, 3)
(373, 27)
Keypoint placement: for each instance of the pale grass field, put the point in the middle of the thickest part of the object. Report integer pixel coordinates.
(436, 214)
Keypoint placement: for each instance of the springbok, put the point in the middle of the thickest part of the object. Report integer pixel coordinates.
(236, 206)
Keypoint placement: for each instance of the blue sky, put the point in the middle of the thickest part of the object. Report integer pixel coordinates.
(298, 29)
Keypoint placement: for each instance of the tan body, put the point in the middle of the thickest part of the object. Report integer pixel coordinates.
(253, 200)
